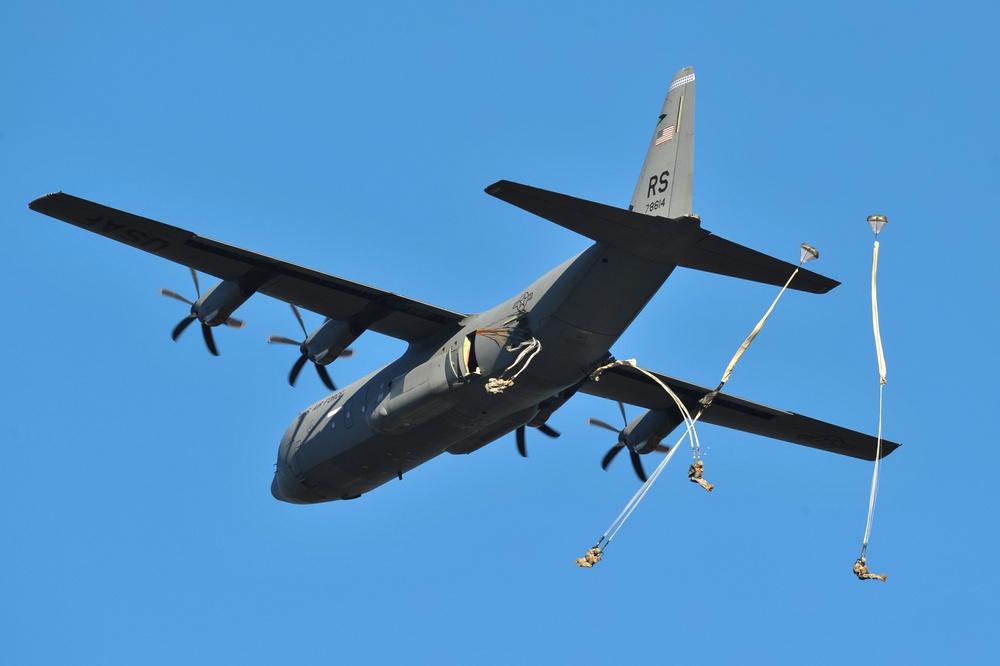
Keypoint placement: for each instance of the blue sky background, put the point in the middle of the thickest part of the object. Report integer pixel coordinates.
(137, 525)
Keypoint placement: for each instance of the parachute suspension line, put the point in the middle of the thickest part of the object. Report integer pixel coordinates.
(689, 432)
(875, 477)
(875, 325)
(685, 413)
(808, 253)
(633, 503)
(529, 350)
(639, 496)
(877, 222)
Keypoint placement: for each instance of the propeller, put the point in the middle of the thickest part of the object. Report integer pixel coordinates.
(206, 330)
(304, 350)
(610, 455)
(521, 437)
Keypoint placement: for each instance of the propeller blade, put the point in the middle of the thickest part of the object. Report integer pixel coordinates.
(184, 323)
(601, 424)
(521, 446)
(283, 340)
(609, 456)
(321, 370)
(325, 376)
(296, 369)
(206, 332)
(637, 465)
(194, 276)
(548, 430)
(299, 317)
(175, 295)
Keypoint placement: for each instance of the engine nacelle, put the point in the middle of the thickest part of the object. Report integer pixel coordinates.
(328, 342)
(647, 430)
(218, 303)
(422, 393)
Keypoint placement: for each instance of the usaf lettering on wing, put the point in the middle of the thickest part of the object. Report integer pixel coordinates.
(122, 232)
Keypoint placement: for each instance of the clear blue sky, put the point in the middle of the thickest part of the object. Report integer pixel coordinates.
(137, 524)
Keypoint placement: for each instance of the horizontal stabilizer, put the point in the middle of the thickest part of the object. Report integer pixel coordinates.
(626, 384)
(715, 254)
(681, 241)
(646, 236)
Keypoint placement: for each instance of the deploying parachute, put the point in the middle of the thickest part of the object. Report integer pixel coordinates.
(807, 253)
(877, 223)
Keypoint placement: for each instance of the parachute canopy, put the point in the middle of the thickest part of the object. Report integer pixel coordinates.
(808, 253)
(877, 222)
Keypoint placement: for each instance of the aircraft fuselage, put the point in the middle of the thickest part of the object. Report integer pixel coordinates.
(466, 380)
(434, 398)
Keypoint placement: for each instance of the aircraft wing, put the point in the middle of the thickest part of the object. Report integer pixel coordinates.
(328, 295)
(628, 385)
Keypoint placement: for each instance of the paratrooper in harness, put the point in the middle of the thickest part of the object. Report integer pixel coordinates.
(593, 556)
(694, 475)
(861, 570)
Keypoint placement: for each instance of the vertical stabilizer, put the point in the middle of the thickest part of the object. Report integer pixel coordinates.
(665, 184)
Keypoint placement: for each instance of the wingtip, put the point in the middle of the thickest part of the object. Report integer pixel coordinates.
(37, 202)
(826, 289)
(495, 188)
(888, 448)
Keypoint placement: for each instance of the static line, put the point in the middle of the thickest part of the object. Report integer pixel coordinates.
(877, 223)
(808, 253)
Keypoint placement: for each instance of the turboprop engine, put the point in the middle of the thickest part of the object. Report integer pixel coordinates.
(323, 346)
(641, 435)
(213, 308)
(646, 431)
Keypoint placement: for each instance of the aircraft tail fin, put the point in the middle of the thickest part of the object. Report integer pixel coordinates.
(666, 182)
(659, 224)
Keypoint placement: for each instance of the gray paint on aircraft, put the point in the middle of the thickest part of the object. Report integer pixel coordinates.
(433, 399)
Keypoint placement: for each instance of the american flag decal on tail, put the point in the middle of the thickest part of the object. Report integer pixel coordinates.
(665, 134)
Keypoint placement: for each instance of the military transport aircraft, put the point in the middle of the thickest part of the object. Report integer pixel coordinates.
(467, 380)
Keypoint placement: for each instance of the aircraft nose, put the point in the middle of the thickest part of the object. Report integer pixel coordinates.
(286, 489)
